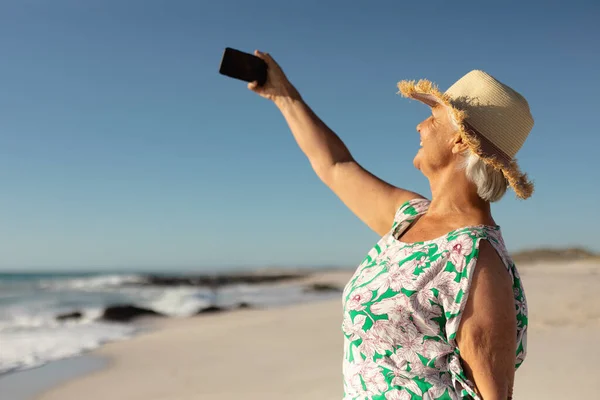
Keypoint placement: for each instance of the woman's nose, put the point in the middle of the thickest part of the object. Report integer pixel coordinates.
(419, 128)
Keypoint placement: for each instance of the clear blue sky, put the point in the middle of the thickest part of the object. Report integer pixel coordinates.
(122, 146)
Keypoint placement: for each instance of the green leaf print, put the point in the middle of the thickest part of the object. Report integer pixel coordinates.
(420, 270)
(450, 267)
(382, 296)
(521, 318)
(410, 211)
(368, 324)
(434, 338)
(441, 321)
(423, 359)
(423, 384)
(419, 300)
(362, 382)
(354, 313)
(459, 296)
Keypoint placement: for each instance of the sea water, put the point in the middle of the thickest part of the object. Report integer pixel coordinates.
(31, 335)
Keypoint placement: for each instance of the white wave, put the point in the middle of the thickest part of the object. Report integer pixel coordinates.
(18, 319)
(178, 302)
(26, 349)
(30, 334)
(91, 283)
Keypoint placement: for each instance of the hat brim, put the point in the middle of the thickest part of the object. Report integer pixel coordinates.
(428, 93)
(426, 98)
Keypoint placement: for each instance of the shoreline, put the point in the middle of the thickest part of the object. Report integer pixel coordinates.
(295, 351)
(147, 325)
(36, 338)
(193, 372)
(33, 382)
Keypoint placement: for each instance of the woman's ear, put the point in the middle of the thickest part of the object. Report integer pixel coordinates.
(458, 144)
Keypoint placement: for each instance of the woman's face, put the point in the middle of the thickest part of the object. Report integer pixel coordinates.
(438, 137)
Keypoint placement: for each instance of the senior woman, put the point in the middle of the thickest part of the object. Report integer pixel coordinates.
(436, 310)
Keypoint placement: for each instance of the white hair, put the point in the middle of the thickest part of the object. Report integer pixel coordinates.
(491, 183)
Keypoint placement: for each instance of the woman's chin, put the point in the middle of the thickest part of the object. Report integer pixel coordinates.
(417, 159)
(416, 163)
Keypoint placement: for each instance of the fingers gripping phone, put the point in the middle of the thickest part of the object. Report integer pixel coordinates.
(243, 66)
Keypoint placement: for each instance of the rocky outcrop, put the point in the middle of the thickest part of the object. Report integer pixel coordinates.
(322, 288)
(69, 316)
(214, 280)
(127, 313)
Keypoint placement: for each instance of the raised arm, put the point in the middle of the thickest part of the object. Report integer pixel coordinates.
(373, 200)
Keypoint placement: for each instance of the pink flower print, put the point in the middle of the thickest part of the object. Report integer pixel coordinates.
(421, 206)
(369, 346)
(460, 248)
(520, 307)
(423, 298)
(350, 368)
(396, 307)
(431, 278)
(432, 348)
(374, 379)
(402, 377)
(367, 274)
(397, 395)
(410, 341)
(423, 321)
(440, 384)
(418, 262)
(354, 385)
(447, 287)
(402, 278)
(380, 284)
(396, 257)
(353, 329)
(404, 382)
(378, 339)
(517, 292)
(396, 279)
(358, 298)
(386, 332)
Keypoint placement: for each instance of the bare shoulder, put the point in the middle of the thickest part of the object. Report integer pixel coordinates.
(490, 299)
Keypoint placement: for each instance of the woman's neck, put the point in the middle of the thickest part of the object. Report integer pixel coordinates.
(453, 194)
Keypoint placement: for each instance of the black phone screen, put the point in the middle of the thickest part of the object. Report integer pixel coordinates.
(243, 66)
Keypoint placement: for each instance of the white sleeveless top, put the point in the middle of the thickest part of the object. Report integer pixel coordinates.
(402, 310)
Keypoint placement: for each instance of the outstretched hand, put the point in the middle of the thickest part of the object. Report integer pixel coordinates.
(277, 87)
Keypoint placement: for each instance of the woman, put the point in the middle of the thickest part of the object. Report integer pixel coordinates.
(436, 310)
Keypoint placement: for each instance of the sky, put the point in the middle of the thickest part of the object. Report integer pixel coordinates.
(122, 147)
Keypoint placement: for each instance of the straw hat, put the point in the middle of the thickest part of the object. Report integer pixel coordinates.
(493, 120)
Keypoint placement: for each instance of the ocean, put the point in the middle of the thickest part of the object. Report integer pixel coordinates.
(31, 335)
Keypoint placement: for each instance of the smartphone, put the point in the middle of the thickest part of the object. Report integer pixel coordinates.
(243, 66)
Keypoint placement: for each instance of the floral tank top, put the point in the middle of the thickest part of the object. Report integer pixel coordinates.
(402, 310)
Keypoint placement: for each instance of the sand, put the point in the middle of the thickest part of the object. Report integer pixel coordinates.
(295, 352)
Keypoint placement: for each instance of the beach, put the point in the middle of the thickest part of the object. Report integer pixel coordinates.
(295, 351)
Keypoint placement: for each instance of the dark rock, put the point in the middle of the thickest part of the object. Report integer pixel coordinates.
(211, 310)
(244, 305)
(322, 287)
(71, 315)
(126, 313)
(213, 281)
